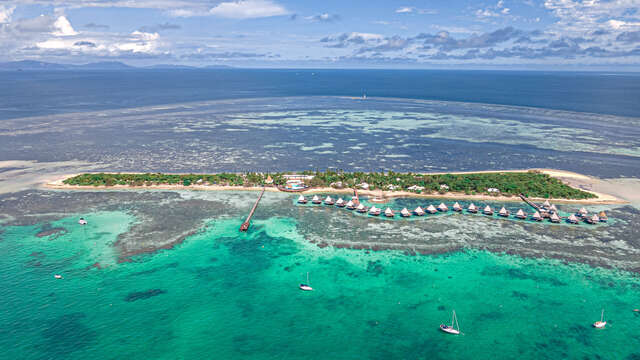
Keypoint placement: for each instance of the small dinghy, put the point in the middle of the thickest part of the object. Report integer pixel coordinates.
(521, 214)
(316, 200)
(600, 324)
(389, 213)
(457, 207)
(472, 209)
(307, 286)
(82, 221)
(329, 201)
(405, 213)
(302, 200)
(57, 276)
(454, 328)
(350, 205)
(487, 210)
(432, 209)
(503, 212)
(340, 203)
(418, 211)
(443, 208)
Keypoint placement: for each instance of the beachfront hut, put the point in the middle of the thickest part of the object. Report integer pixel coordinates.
(418, 211)
(329, 201)
(572, 219)
(351, 205)
(457, 207)
(374, 211)
(521, 214)
(536, 216)
(603, 217)
(592, 220)
(316, 200)
(554, 218)
(302, 200)
(389, 213)
(472, 208)
(405, 213)
(487, 210)
(361, 209)
(546, 204)
(340, 202)
(442, 207)
(503, 212)
(582, 212)
(432, 209)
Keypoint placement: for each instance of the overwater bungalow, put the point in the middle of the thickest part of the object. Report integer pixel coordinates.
(302, 200)
(472, 208)
(536, 216)
(329, 201)
(554, 218)
(503, 212)
(361, 208)
(418, 211)
(442, 207)
(405, 213)
(487, 210)
(350, 205)
(316, 200)
(603, 217)
(546, 204)
(593, 220)
(572, 219)
(432, 209)
(340, 202)
(521, 214)
(374, 211)
(457, 207)
(389, 213)
(582, 212)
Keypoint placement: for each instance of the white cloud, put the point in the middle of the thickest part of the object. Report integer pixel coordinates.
(404, 10)
(63, 27)
(5, 13)
(622, 25)
(248, 9)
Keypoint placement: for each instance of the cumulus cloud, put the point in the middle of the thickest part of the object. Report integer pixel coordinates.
(325, 17)
(5, 13)
(248, 9)
(404, 10)
(629, 37)
(346, 39)
(159, 27)
(63, 27)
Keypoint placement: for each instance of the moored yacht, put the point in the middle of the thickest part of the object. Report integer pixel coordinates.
(306, 286)
(602, 323)
(454, 328)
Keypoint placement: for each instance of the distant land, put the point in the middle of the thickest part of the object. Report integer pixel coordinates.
(31, 65)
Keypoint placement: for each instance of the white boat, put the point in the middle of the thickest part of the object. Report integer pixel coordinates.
(389, 213)
(457, 207)
(503, 212)
(340, 203)
(418, 211)
(302, 200)
(307, 286)
(57, 276)
(316, 199)
(442, 207)
(536, 216)
(82, 221)
(350, 205)
(600, 324)
(472, 208)
(329, 201)
(454, 328)
(432, 209)
(487, 210)
(572, 219)
(405, 213)
(521, 214)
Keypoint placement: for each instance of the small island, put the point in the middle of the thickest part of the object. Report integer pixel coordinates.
(498, 185)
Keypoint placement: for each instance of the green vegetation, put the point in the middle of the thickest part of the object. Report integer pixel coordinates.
(531, 183)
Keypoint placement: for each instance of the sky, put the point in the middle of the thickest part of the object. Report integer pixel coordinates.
(507, 34)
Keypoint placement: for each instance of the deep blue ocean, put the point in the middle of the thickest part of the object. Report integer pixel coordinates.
(41, 93)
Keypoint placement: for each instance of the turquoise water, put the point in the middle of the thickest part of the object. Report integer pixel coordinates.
(226, 294)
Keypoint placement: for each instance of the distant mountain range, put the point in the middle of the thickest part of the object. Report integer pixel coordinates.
(30, 65)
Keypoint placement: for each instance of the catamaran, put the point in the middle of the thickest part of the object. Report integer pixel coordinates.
(306, 287)
(454, 328)
(600, 324)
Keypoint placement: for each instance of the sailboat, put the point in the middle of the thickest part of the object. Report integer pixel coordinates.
(454, 328)
(306, 287)
(600, 324)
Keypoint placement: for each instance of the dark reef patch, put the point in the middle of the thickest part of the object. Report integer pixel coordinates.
(46, 230)
(64, 335)
(141, 295)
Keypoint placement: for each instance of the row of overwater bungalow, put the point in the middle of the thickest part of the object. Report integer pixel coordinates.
(546, 211)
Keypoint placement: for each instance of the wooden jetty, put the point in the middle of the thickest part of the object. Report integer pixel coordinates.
(531, 203)
(245, 225)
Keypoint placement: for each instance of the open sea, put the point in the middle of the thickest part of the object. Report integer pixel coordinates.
(160, 274)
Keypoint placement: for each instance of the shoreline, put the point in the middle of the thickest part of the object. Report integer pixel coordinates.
(575, 180)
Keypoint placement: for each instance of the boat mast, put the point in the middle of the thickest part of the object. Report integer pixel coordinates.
(602, 316)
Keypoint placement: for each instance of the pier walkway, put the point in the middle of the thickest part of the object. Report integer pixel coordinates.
(245, 225)
(531, 203)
